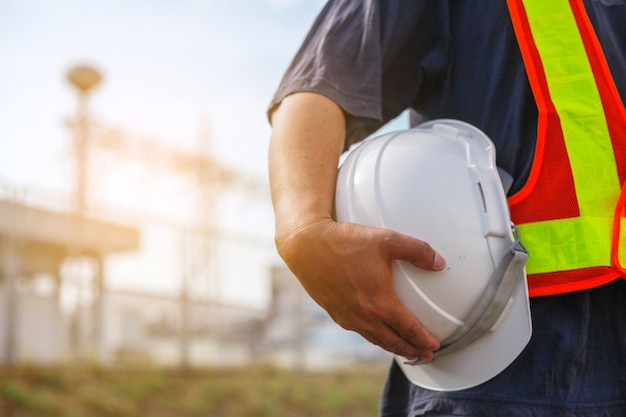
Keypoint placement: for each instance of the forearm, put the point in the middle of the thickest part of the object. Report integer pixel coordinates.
(345, 267)
(307, 139)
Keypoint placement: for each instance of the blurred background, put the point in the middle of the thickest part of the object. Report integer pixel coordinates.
(135, 220)
(138, 274)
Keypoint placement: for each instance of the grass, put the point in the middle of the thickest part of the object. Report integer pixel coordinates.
(26, 392)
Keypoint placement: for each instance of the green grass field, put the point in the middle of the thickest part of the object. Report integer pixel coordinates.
(33, 392)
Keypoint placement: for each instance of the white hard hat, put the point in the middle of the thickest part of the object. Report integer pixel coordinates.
(439, 183)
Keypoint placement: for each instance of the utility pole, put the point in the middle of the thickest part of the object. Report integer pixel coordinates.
(10, 261)
(198, 244)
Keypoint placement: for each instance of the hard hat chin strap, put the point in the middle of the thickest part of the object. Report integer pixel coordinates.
(492, 303)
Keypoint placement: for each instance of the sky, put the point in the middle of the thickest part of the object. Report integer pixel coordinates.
(165, 65)
(170, 70)
(168, 67)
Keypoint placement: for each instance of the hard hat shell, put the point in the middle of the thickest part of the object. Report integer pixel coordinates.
(439, 183)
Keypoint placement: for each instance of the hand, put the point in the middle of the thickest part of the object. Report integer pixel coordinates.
(347, 269)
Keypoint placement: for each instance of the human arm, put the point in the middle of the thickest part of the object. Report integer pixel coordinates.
(344, 267)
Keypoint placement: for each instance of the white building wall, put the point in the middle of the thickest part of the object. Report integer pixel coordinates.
(41, 329)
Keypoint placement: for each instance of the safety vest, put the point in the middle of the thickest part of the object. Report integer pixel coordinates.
(571, 212)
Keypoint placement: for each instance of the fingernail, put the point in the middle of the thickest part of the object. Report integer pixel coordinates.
(434, 342)
(439, 263)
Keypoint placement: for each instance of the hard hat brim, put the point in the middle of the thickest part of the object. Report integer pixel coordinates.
(482, 360)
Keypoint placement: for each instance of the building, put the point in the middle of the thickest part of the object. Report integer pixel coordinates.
(36, 245)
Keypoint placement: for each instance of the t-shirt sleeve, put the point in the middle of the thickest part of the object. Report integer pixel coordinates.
(368, 56)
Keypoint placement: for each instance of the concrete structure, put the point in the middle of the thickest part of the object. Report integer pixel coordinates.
(124, 328)
(291, 332)
(142, 328)
(39, 331)
(36, 242)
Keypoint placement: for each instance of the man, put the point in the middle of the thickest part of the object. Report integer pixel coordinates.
(499, 66)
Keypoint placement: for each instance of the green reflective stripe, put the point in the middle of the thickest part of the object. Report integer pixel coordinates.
(579, 242)
(584, 241)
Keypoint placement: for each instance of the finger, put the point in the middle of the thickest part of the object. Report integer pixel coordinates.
(400, 332)
(388, 339)
(387, 332)
(417, 252)
(410, 329)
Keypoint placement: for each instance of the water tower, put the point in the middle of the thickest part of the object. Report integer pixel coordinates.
(85, 79)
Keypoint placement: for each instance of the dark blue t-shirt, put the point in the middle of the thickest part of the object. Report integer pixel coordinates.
(460, 59)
